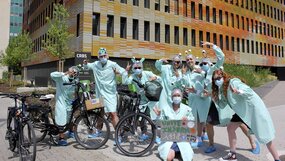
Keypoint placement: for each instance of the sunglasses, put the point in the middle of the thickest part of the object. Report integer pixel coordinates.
(189, 59)
(177, 62)
(204, 63)
(218, 78)
(103, 56)
(137, 67)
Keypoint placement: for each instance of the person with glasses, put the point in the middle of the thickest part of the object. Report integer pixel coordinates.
(171, 75)
(64, 98)
(249, 109)
(105, 71)
(142, 76)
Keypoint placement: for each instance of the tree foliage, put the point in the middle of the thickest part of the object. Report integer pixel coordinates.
(18, 50)
(58, 35)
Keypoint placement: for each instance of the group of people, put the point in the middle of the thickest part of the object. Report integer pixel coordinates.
(214, 98)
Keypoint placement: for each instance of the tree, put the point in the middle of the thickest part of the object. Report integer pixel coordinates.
(58, 35)
(19, 49)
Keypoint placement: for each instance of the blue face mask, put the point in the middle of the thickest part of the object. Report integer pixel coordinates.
(103, 60)
(205, 67)
(176, 100)
(219, 82)
(137, 71)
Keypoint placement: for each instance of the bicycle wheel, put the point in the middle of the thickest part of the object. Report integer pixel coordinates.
(27, 142)
(91, 132)
(135, 134)
(39, 120)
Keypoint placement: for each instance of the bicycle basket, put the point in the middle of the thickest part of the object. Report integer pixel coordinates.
(94, 103)
(153, 90)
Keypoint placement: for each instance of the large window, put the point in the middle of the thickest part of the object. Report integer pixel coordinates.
(123, 29)
(214, 38)
(136, 2)
(166, 7)
(157, 5)
(214, 15)
(233, 20)
(146, 31)
(233, 44)
(167, 34)
(220, 17)
(185, 36)
(238, 44)
(146, 4)
(110, 25)
(176, 35)
(135, 29)
(208, 38)
(157, 32)
(176, 7)
(96, 24)
(200, 38)
(200, 12)
(227, 18)
(221, 42)
(185, 8)
(193, 37)
(207, 13)
(192, 9)
(124, 1)
(77, 25)
(227, 43)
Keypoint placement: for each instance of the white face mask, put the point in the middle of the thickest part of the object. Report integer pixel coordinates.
(103, 60)
(205, 67)
(176, 100)
(219, 82)
(137, 71)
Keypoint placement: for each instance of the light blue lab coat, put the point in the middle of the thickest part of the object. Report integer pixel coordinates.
(105, 82)
(169, 82)
(146, 75)
(184, 147)
(201, 104)
(252, 110)
(64, 97)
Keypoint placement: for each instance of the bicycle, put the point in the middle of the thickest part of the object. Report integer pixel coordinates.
(86, 123)
(131, 129)
(20, 132)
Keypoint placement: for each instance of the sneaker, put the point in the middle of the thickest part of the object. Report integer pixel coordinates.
(256, 150)
(205, 137)
(70, 134)
(119, 140)
(62, 142)
(96, 134)
(210, 149)
(230, 157)
(200, 143)
(194, 144)
(157, 140)
(143, 137)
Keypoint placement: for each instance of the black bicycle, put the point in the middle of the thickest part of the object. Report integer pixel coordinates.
(90, 129)
(20, 132)
(135, 132)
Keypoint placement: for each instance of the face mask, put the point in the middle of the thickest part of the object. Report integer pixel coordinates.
(205, 67)
(137, 71)
(176, 100)
(103, 60)
(219, 82)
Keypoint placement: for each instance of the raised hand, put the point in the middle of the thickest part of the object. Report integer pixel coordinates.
(190, 89)
(164, 60)
(128, 67)
(184, 69)
(206, 43)
(115, 71)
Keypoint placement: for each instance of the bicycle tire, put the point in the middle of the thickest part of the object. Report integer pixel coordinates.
(130, 135)
(83, 131)
(39, 122)
(27, 142)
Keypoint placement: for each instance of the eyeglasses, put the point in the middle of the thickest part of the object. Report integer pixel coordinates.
(203, 63)
(137, 67)
(177, 62)
(189, 59)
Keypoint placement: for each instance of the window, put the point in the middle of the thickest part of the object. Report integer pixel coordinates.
(227, 43)
(200, 37)
(193, 37)
(268, 30)
(77, 24)
(185, 36)
(192, 9)
(259, 7)
(256, 27)
(247, 46)
(256, 47)
(247, 24)
(200, 12)
(227, 18)
(146, 4)
(110, 25)
(176, 35)
(221, 42)
(221, 17)
(268, 49)
(136, 2)
(233, 44)
(124, 1)
(242, 45)
(157, 5)
(237, 21)
(207, 13)
(252, 47)
(214, 15)
(208, 38)
(96, 24)
(260, 27)
(167, 34)
(233, 20)
(264, 29)
(146, 31)
(135, 29)
(264, 48)
(157, 32)
(176, 7)
(242, 22)
(214, 38)
(238, 45)
(166, 7)
(185, 8)
(261, 50)
(123, 29)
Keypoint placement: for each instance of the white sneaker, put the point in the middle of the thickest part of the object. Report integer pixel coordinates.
(229, 157)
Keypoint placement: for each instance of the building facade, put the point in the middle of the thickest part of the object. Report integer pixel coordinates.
(249, 31)
(16, 17)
